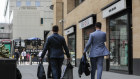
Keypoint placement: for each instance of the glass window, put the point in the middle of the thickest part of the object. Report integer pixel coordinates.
(37, 3)
(18, 3)
(77, 2)
(118, 43)
(41, 20)
(28, 3)
(72, 48)
(81, 1)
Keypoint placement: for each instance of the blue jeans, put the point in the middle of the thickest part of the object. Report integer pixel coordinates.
(96, 63)
(56, 64)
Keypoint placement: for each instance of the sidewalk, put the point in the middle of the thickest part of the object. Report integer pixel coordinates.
(30, 72)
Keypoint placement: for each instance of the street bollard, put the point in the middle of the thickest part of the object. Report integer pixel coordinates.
(30, 59)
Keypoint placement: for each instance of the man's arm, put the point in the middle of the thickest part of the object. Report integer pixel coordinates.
(66, 48)
(88, 44)
(46, 46)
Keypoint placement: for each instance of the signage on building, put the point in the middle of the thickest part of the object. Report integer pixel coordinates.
(115, 8)
(87, 22)
(6, 41)
(69, 31)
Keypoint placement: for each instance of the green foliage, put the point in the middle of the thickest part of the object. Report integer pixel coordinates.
(4, 53)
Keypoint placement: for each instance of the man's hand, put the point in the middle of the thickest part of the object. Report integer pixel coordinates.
(69, 59)
(40, 59)
(107, 57)
(84, 53)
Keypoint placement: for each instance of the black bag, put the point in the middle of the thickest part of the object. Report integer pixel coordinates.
(67, 72)
(84, 66)
(87, 71)
(19, 76)
(41, 72)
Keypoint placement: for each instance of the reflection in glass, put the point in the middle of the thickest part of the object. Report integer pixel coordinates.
(71, 46)
(119, 43)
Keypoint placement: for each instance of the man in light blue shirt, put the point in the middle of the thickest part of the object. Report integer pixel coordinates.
(97, 50)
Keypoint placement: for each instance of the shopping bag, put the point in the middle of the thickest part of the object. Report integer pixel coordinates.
(67, 72)
(41, 72)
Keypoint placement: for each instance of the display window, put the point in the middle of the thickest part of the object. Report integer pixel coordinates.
(118, 42)
(72, 48)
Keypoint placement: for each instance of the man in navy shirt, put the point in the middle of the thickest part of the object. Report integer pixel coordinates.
(56, 44)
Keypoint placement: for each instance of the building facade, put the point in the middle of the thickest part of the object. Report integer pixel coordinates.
(29, 18)
(120, 20)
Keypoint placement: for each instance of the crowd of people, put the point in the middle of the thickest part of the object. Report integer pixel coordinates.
(22, 57)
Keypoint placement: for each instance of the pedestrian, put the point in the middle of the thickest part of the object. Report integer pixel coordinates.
(39, 55)
(97, 50)
(28, 57)
(55, 44)
(23, 54)
(16, 55)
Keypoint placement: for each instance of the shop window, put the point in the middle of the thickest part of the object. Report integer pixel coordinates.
(71, 4)
(77, 2)
(118, 41)
(72, 48)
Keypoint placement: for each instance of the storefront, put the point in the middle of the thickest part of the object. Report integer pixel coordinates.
(71, 36)
(87, 25)
(118, 16)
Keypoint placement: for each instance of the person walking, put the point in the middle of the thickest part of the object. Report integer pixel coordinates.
(55, 44)
(23, 54)
(16, 55)
(28, 57)
(97, 50)
(39, 55)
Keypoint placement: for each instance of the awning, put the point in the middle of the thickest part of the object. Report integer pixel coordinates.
(34, 38)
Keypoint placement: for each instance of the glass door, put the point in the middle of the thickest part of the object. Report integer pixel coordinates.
(118, 42)
(72, 49)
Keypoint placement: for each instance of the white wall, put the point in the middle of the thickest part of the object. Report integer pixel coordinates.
(26, 22)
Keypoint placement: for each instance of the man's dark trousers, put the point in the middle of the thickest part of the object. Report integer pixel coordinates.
(49, 73)
(56, 64)
(96, 63)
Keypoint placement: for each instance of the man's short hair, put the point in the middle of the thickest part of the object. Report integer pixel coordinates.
(55, 28)
(98, 25)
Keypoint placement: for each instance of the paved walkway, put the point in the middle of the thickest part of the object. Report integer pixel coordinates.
(30, 72)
